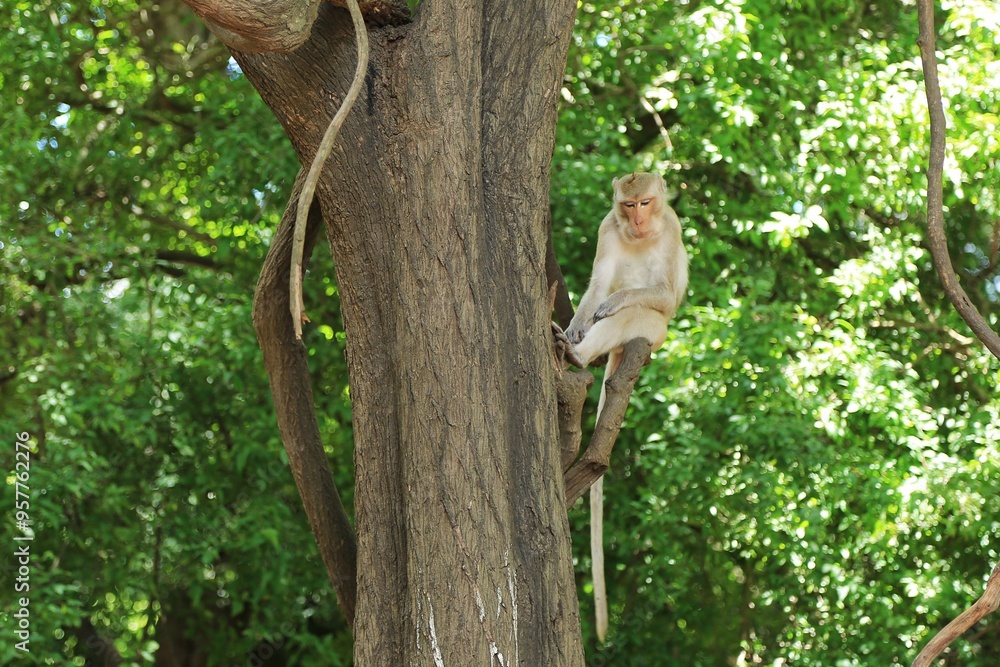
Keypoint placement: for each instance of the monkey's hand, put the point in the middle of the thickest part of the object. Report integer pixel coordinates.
(609, 307)
(575, 333)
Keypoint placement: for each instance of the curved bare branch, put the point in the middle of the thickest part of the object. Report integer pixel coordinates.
(985, 605)
(288, 369)
(935, 208)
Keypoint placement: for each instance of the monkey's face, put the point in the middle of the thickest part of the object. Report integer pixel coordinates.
(638, 203)
(640, 215)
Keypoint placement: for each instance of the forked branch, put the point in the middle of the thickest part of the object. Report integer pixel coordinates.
(594, 462)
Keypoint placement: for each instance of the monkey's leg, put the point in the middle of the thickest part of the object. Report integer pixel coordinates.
(613, 332)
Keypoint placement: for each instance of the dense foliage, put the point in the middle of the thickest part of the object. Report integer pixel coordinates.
(146, 180)
(805, 474)
(806, 470)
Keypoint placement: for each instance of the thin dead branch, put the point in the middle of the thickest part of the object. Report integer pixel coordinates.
(650, 109)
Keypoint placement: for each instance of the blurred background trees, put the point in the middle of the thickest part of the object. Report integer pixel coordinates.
(806, 471)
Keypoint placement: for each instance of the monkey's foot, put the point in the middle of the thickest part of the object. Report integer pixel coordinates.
(565, 349)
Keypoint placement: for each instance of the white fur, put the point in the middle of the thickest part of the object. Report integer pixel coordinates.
(637, 284)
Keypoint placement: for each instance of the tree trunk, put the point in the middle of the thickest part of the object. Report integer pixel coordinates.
(434, 204)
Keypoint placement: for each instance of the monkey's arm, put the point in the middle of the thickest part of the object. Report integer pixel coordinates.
(589, 304)
(597, 291)
(660, 298)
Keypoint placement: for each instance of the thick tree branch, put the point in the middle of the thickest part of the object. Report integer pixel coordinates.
(935, 205)
(985, 605)
(286, 362)
(571, 394)
(594, 462)
(250, 25)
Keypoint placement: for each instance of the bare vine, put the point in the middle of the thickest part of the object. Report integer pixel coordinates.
(322, 153)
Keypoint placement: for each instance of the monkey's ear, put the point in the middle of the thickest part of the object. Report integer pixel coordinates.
(614, 182)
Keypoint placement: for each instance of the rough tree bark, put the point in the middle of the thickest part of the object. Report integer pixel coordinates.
(434, 205)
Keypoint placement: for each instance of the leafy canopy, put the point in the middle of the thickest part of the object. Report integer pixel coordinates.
(806, 471)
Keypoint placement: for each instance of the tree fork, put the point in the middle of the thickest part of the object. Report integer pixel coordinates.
(595, 460)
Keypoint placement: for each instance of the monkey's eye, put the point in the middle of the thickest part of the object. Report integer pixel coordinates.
(629, 204)
(645, 202)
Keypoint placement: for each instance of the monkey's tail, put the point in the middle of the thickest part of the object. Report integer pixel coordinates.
(597, 557)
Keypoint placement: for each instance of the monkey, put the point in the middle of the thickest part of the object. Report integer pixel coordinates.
(640, 271)
(639, 279)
